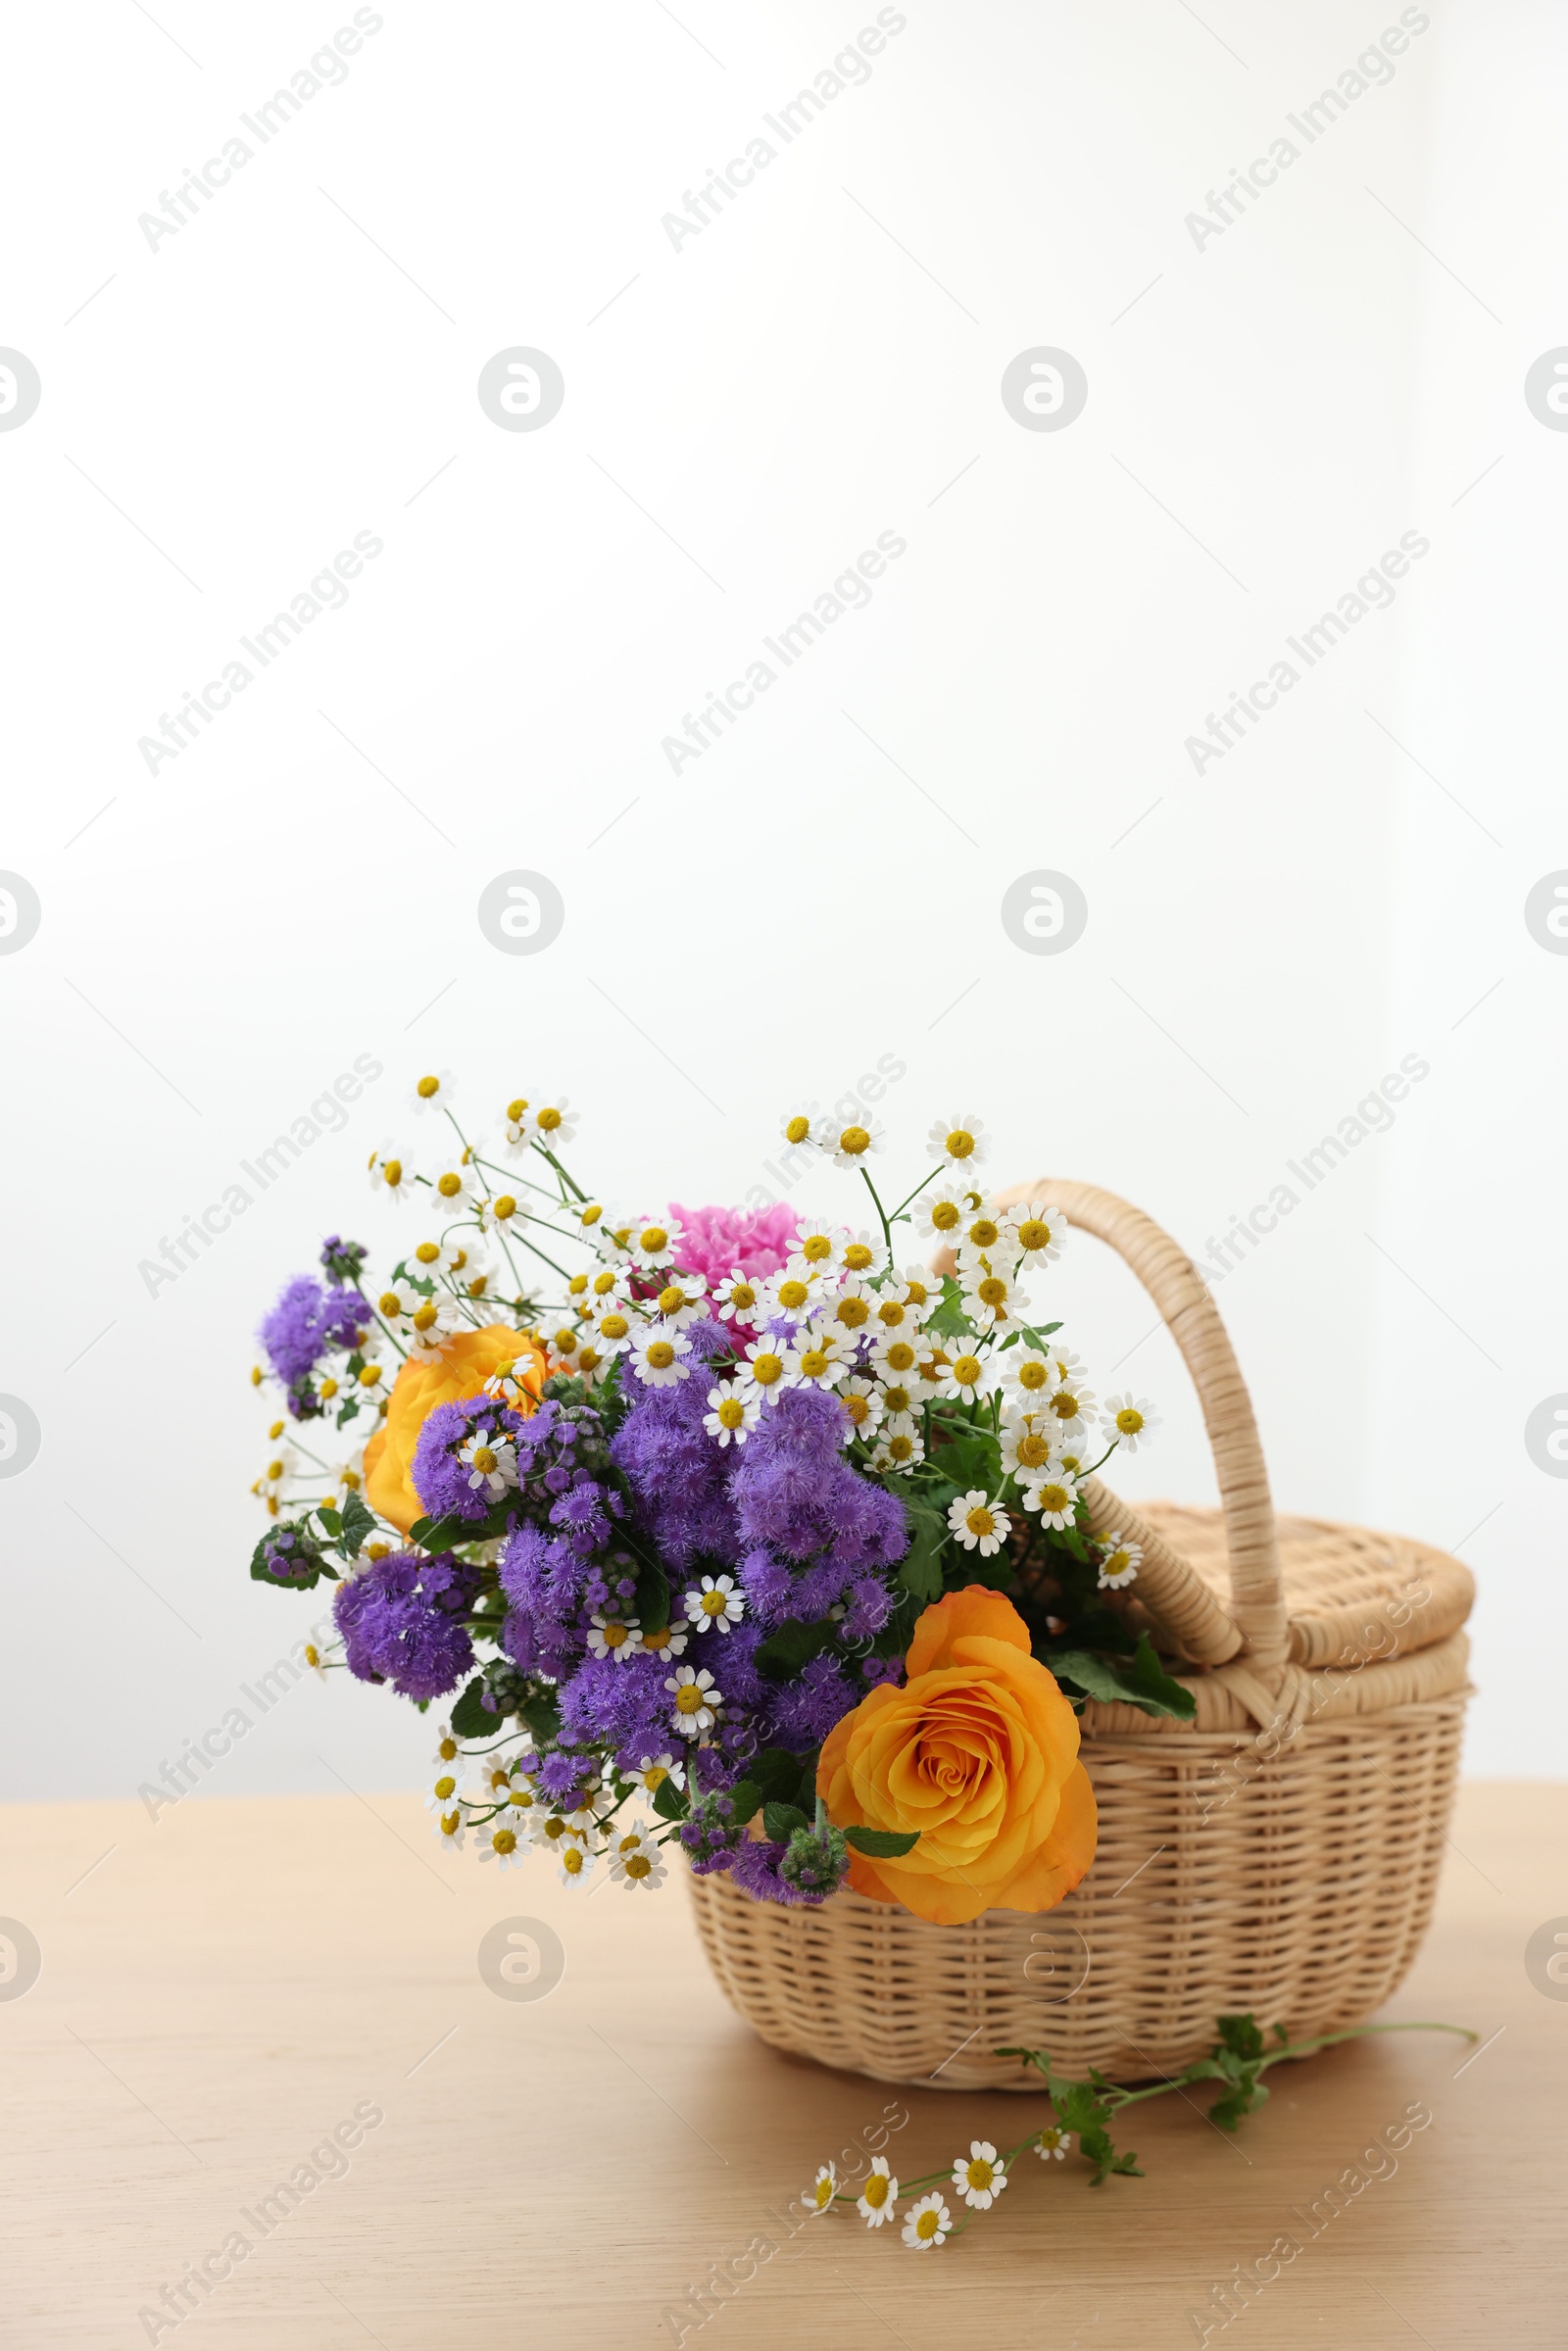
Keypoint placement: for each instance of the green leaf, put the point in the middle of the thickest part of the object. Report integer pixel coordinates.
(782, 1819)
(542, 1716)
(745, 1800)
(670, 1802)
(330, 1521)
(471, 1720)
(1139, 1681)
(650, 1603)
(950, 1320)
(1241, 2035)
(882, 1844)
(776, 1773)
(920, 1569)
(359, 1525)
(785, 1650)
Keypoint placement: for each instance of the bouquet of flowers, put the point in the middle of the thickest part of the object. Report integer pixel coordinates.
(737, 1529)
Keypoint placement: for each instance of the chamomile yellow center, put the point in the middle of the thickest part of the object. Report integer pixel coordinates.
(1034, 1451)
(858, 1257)
(392, 1170)
(854, 1142)
(979, 2172)
(979, 1520)
(876, 2190)
(945, 1216)
(484, 1460)
(714, 1603)
(660, 1354)
(815, 1248)
(615, 1326)
(1032, 1374)
(1053, 1497)
(967, 1369)
(792, 1295)
(797, 1130)
(655, 1240)
(960, 1143)
(548, 1121)
(614, 1637)
(1034, 1233)
(813, 1362)
(427, 1088)
(637, 1865)
(688, 1699)
(449, 1185)
(671, 1300)
(731, 1413)
(766, 1369)
(1129, 1420)
(900, 1356)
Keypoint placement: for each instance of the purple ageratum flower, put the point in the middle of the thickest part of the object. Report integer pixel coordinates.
(623, 1706)
(582, 1514)
(793, 1492)
(870, 1607)
(561, 1775)
(305, 1322)
(804, 1710)
(769, 1585)
(679, 1475)
(754, 1866)
(877, 1669)
(399, 1623)
(444, 1484)
(719, 1240)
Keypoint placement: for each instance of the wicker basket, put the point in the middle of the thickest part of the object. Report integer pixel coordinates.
(1278, 1853)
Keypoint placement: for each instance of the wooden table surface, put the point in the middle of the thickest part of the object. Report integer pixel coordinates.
(227, 1986)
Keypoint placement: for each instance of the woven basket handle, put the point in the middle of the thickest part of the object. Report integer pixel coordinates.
(1257, 1589)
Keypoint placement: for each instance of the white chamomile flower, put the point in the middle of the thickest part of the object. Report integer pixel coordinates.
(853, 1308)
(979, 1523)
(576, 1864)
(654, 1243)
(981, 1236)
(897, 1449)
(943, 1212)
(504, 1841)
(959, 1142)
(612, 1237)
(864, 1404)
(804, 1127)
(430, 1259)
(992, 1297)
(717, 1603)
(820, 1357)
(453, 1185)
(444, 1795)
(664, 1640)
(694, 1701)
(1055, 1497)
(655, 1770)
(451, 1829)
(503, 1213)
(636, 1861)
(477, 1280)
(448, 1749)
(820, 1245)
(823, 2188)
(397, 1302)
(552, 1124)
(926, 2222)
(1036, 1231)
(737, 1298)
(657, 1358)
(852, 1145)
(902, 1399)
(1068, 1406)
(916, 1287)
(614, 1637)
(863, 1253)
(1053, 2141)
(896, 1359)
(429, 1329)
(515, 1119)
(796, 1291)
(493, 1778)
(391, 1176)
(431, 1092)
(491, 1462)
(1132, 1419)
(966, 1375)
(732, 1416)
(1029, 1447)
(1120, 1564)
(682, 1301)
(1028, 1377)
(979, 2177)
(878, 2197)
(763, 1369)
(612, 1325)
(505, 1384)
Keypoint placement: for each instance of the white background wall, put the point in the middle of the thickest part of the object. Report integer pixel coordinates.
(743, 414)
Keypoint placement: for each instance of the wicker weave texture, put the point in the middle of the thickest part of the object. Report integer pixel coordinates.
(1279, 1853)
(1298, 1885)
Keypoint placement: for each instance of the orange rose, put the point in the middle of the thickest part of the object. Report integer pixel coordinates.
(461, 1368)
(979, 1752)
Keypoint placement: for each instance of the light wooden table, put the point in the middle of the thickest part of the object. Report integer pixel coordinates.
(225, 1989)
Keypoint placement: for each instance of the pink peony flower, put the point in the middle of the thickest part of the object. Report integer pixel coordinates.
(719, 1240)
